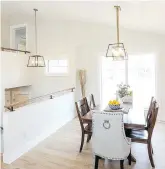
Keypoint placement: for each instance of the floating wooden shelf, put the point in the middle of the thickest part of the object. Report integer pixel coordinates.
(14, 50)
(17, 87)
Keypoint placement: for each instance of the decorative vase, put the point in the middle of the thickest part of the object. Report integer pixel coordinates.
(127, 99)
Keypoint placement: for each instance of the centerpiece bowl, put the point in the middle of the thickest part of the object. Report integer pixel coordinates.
(114, 105)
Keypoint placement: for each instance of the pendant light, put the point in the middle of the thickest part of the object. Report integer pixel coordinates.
(36, 60)
(117, 50)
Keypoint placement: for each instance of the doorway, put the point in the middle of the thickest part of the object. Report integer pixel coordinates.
(18, 37)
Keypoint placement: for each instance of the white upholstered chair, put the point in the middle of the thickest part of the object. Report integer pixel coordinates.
(108, 139)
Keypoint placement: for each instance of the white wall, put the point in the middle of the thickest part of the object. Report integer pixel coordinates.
(14, 72)
(29, 125)
(54, 42)
(84, 44)
(5, 36)
(136, 43)
(1, 118)
(0, 89)
(14, 69)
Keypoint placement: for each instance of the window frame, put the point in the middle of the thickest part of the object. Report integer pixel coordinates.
(47, 73)
(13, 29)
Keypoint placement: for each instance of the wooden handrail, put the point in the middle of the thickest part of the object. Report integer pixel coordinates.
(14, 50)
(29, 101)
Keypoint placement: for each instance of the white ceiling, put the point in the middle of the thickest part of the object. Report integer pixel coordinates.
(137, 15)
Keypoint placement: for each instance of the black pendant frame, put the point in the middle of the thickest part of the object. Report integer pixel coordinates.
(116, 45)
(36, 61)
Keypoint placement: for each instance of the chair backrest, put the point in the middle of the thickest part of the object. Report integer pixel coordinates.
(148, 111)
(91, 101)
(152, 119)
(150, 107)
(108, 139)
(82, 108)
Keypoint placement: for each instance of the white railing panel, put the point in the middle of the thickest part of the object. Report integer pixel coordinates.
(31, 124)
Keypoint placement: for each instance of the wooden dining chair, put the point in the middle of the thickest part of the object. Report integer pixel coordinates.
(108, 139)
(148, 111)
(91, 101)
(144, 136)
(82, 108)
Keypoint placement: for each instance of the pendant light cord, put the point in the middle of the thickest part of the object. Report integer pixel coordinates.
(35, 10)
(117, 21)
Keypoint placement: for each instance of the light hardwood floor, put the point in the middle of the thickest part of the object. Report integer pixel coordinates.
(60, 151)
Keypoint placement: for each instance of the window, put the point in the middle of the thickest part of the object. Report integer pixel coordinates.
(141, 77)
(56, 67)
(138, 71)
(113, 73)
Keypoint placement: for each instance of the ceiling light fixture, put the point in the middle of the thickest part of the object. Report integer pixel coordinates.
(36, 60)
(117, 50)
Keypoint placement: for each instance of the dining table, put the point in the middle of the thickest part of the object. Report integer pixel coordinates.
(133, 117)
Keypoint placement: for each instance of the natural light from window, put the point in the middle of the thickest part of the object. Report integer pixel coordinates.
(138, 72)
(56, 67)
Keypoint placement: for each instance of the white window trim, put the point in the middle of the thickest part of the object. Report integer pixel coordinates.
(57, 74)
(12, 36)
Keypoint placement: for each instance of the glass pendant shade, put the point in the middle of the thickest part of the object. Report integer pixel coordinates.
(36, 61)
(117, 51)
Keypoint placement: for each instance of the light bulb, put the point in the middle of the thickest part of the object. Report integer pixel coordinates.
(117, 52)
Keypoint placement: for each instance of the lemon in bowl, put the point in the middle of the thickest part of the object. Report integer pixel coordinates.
(114, 104)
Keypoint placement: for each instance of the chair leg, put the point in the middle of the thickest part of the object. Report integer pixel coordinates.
(152, 149)
(89, 137)
(82, 142)
(130, 158)
(150, 154)
(121, 164)
(96, 161)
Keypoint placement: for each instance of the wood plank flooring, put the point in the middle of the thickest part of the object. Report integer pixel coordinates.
(61, 151)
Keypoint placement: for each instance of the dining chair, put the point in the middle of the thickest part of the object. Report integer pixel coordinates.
(147, 112)
(108, 138)
(82, 108)
(144, 136)
(91, 101)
